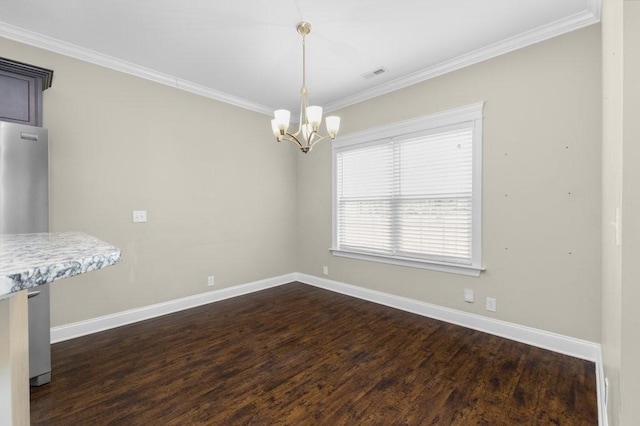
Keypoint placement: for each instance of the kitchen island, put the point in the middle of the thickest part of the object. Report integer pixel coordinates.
(26, 261)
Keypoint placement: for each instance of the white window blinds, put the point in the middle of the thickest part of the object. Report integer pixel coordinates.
(409, 196)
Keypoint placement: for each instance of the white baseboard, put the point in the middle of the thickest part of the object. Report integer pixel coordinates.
(94, 325)
(578, 348)
(603, 419)
(543, 339)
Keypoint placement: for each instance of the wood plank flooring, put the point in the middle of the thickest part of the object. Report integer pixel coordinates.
(298, 355)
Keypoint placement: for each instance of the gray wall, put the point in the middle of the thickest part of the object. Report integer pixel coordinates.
(541, 188)
(218, 189)
(228, 205)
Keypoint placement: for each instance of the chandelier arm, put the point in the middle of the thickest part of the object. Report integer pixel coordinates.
(319, 138)
(295, 135)
(294, 140)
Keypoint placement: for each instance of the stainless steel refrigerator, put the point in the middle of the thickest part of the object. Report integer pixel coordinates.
(24, 208)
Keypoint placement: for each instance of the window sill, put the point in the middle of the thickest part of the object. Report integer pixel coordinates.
(470, 271)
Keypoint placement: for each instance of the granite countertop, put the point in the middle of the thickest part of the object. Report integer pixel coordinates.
(30, 260)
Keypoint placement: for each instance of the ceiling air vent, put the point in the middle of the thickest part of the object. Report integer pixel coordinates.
(375, 73)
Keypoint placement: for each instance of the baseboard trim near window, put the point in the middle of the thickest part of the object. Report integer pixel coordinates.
(566, 345)
(543, 339)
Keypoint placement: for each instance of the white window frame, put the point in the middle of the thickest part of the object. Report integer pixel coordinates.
(468, 114)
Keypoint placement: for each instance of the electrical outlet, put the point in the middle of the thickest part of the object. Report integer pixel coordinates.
(468, 295)
(139, 216)
(491, 304)
(325, 270)
(211, 281)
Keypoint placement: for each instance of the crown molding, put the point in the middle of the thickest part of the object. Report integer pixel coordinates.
(201, 90)
(71, 50)
(595, 6)
(545, 32)
(562, 26)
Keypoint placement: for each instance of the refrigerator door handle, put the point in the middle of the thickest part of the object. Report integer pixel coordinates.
(32, 294)
(29, 136)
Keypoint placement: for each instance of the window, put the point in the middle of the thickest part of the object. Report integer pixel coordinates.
(410, 193)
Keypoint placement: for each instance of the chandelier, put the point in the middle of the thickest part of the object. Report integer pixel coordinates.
(307, 134)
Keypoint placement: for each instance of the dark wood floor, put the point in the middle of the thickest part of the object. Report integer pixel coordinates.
(296, 354)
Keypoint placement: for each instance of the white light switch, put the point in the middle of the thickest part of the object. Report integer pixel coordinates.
(468, 295)
(491, 304)
(139, 216)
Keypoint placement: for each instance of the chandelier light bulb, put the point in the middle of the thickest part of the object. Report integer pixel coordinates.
(333, 125)
(282, 117)
(276, 129)
(314, 116)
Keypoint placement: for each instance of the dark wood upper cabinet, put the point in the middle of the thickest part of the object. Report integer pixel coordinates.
(21, 87)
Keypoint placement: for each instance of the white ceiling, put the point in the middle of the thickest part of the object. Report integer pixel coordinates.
(247, 52)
